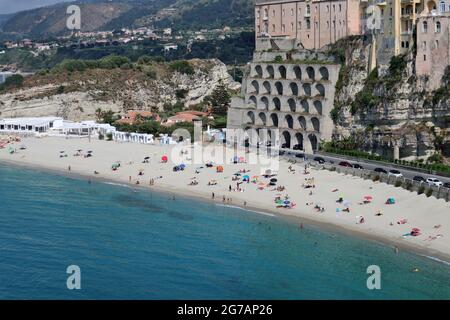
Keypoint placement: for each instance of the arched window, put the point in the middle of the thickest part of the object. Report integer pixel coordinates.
(308, 9)
(425, 27)
(438, 27)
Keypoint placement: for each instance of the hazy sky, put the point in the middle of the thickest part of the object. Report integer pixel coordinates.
(10, 6)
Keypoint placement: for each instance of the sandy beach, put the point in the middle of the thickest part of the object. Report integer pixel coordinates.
(310, 197)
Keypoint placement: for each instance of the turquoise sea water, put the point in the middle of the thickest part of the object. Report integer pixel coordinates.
(135, 244)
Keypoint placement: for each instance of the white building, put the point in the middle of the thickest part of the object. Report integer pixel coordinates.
(55, 126)
(28, 125)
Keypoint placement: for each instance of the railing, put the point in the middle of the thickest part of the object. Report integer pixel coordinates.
(400, 182)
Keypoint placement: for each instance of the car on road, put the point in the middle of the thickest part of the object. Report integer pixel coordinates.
(357, 166)
(434, 182)
(281, 152)
(395, 173)
(345, 164)
(447, 185)
(297, 147)
(380, 170)
(300, 155)
(419, 179)
(319, 160)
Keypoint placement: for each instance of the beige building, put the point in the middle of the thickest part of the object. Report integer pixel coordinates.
(314, 23)
(433, 45)
(398, 20)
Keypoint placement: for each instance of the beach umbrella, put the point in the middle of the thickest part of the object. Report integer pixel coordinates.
(268, 172)
(90, 151)
(369, 198)
(246, 177)
(273, 180)
(146, 158)
(182, 166)
(61, 151)
(237, 174)
(164, 158)
(346, 203)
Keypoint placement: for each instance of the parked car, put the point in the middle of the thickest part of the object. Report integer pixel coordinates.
(284, 146)
(345, 164)
(300, 155)
(281, 152)
(419, 179)
(297, 147)
(434, 182)
(447, 185)
(380, 170)
(395, 173)
(357, 166)
(319, 160)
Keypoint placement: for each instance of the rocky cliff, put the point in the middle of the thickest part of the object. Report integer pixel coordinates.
(389, 109)
(76, 95)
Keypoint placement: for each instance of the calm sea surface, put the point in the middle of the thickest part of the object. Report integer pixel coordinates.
(134, 244)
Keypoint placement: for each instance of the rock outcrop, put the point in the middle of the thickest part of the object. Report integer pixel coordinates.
(389, 109)
(76, 96)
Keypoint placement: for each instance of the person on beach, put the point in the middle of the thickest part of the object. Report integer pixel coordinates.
(223, 199)
(129, 179)
(69, 168)
(396, 250)
(212, 196)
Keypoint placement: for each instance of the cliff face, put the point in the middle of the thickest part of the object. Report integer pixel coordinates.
(390, 108)
(76, 95)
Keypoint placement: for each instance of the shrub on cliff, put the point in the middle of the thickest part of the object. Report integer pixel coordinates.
(182, 66)
(14, 81)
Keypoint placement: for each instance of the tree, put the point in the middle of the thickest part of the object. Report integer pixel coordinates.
(219, 99)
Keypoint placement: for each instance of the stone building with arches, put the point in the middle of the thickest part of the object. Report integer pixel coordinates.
(286, 101)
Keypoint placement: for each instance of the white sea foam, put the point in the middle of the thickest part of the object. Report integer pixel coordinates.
(243, 209)
(117, 184)
(438, 260)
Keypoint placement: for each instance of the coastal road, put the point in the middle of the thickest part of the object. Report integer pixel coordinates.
(407, 173)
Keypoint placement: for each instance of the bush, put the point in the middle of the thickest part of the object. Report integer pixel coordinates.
(376, 178)
(182, 66)
(151, 73)
(398, 183)
(101, 136)
(109, 136)
(429, 193)
(278, 59)
(421, 190)
(14, 81)
(408, 186)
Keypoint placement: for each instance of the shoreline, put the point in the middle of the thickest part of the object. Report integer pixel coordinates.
(330, 227)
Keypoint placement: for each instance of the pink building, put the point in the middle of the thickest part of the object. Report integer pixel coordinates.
(433, 45)
(315, 23)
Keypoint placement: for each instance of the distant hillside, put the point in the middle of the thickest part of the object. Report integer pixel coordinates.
(52, 20)
(197, 14)
(95, 15)
(4, 18)
(115, 14)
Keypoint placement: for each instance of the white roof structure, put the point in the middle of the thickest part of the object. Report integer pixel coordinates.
(35, 122)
